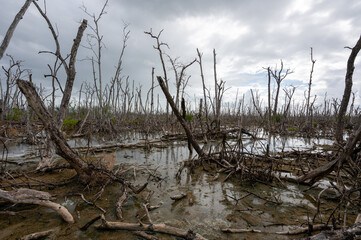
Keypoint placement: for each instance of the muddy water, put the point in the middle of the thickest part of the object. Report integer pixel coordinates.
(214, 206)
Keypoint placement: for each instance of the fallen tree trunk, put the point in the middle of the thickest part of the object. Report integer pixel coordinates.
(318, 173)
(158, 227)
(30, 196)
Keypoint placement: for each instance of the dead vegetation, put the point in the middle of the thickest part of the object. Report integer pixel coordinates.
(118, 108)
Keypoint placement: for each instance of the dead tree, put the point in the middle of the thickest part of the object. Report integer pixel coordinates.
(218, 86)
(9, 93)
(278, 76)
(10, 32)
(98, 81)
(62, 147)
(68, 67)
(158, 47)
(68, 64)
(203, 84)
(309, 86)
(288, 99)
(152, 93)
(113, 94)
(269, 98)
(181, 120)
(256, 103)
(347, 92)
(179, 76)
(70, 71)
(355, 137)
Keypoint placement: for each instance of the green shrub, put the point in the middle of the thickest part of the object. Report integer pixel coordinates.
(15, 114)
(292, 129)
(69, 123)
(279, 117)
(189, 117)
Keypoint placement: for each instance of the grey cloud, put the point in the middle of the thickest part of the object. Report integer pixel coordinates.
(271, 35)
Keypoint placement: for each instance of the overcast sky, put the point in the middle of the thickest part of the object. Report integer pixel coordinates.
(247, 36)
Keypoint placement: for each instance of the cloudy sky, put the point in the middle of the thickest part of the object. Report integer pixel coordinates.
(247, 36)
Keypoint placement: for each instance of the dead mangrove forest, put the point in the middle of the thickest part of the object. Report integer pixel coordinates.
(115, 160)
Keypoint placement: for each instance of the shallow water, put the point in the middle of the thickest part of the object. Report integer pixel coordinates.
(214, 204)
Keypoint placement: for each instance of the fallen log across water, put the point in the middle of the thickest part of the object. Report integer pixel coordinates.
(157, 227)
(31, 196)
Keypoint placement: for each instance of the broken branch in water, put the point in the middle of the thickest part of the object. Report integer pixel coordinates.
(37, 235)
(158, 227)
(30, 196)
(178, 196)
(120, 202)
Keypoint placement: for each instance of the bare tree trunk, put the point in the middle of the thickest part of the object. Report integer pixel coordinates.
(62, 147)
(70, 73)
(203, 84)
(216, 103)
(347, 91)
(98, 53)
(279, 76)
(180, 118)
(158, 47)
(10, 32)
(152, 93)
(309, 86)
(269, 99)
(256, 103)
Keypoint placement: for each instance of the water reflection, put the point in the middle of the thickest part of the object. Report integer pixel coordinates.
(216, 204)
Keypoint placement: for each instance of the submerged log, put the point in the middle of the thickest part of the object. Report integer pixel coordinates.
(30, 196)
(37, 235)
(178, 196)
(157, 227)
